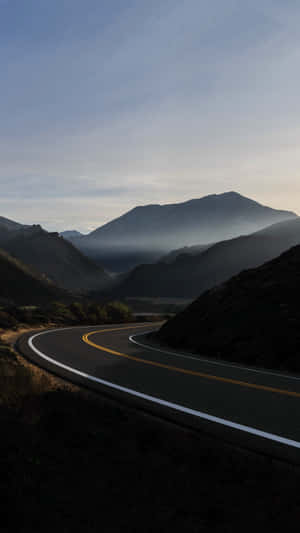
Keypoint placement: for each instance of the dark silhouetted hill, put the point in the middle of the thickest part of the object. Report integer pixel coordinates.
(20, 285)
(145, 233)
(254, 318)
(9, 225)
(50, 254)
(190, 275)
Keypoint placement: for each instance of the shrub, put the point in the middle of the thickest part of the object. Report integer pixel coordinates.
(78, 311)
(118, 312)
(7, 320)
(60, 313)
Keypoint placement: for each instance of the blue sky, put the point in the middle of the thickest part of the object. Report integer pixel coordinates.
(108, 104)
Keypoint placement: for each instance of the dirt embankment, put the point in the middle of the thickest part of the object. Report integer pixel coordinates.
(20, 379)
(10, 336)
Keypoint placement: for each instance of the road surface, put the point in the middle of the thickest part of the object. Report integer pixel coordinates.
(253, 408)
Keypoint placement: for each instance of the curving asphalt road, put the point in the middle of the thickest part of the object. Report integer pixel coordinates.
(253, 408)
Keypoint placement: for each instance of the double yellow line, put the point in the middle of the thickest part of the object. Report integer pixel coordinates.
(86, 339)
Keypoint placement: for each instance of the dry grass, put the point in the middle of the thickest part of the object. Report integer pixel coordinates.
(19, 379)
(10, 336)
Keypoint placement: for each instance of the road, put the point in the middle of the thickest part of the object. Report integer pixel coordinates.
(253, 408)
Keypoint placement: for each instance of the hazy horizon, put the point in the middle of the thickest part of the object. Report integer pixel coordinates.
(109, 105)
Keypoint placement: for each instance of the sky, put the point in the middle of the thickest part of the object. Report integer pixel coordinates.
(109, 104)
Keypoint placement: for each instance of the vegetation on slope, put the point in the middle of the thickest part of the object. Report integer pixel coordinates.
(59, 313)
(254, 318)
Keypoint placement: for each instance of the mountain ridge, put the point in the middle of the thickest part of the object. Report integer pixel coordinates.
(145, 233)
(231, 195)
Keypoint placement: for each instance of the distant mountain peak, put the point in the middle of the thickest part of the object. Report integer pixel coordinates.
(232, 193)
(153, 230)
(219, 197)
(70, 234)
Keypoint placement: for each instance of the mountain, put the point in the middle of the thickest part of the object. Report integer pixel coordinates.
(52, 255)
(190, 275)
(20, 285)
(254, 318)
(70, 234)
(147, 232)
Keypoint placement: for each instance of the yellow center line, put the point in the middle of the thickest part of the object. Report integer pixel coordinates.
(246, 384)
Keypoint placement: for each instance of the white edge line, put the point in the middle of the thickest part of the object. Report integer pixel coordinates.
(201, 359)
(170, 405)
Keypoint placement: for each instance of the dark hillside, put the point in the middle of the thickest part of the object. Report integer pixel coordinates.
(9, 225)
(54, 257)
(254, 318)
(22, 286)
